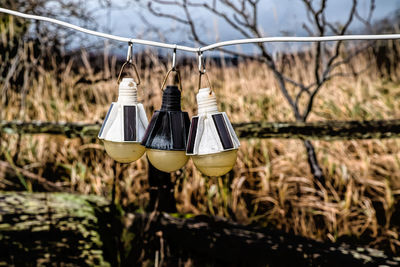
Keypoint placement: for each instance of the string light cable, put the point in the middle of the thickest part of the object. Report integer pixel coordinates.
(208, 47)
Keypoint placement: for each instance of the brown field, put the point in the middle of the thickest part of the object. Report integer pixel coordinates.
(270, 184)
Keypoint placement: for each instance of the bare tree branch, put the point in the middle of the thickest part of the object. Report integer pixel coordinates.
(222, 15)
(367, 21)
(242, 16)
(165, 15)
(321, 81)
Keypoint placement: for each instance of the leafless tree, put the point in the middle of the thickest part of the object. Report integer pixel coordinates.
(243, 17)
(28, 48)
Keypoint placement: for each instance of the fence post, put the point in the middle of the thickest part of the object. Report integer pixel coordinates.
(161, 191)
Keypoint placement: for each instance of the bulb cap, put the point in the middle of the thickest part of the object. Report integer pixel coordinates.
(211, 133)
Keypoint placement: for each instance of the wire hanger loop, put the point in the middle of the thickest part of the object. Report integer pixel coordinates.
(173, 69)
(129, 61)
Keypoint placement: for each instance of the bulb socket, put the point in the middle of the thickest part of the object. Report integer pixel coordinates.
(171, 99)
(206, 101)
(127, 91)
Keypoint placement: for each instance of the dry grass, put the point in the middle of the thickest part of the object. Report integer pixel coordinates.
(271, 183)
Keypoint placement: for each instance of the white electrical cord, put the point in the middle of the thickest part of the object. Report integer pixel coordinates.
(209, 47)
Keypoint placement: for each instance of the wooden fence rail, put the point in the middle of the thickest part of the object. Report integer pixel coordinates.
(326, 130)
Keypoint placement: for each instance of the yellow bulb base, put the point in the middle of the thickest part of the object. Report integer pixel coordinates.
(124, 152)
(167, 160)
(215, 164)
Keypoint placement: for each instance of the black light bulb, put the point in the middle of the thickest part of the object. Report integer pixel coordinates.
(166, 136)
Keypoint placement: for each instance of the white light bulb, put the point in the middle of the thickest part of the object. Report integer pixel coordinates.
(167, 160)
(124, 125)
(212, 142)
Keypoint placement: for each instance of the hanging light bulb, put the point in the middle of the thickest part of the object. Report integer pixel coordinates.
(126, 122)
(212, 142)
(166, 137)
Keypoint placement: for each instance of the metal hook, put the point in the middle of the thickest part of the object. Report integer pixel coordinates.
(174, 58)
(129, 60)
(202, 70)
(129, 54)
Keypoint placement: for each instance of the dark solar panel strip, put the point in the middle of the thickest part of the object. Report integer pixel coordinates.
(130, 123)
(177, 128)
(192, 135)
(222, 130)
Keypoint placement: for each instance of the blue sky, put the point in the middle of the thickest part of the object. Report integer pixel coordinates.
(276, 18)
